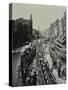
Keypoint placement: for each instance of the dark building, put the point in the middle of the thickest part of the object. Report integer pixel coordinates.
(21, 31)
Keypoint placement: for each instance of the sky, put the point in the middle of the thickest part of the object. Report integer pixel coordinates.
(42, 15)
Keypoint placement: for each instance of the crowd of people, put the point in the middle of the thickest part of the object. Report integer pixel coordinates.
(30, 76)
(23, 71)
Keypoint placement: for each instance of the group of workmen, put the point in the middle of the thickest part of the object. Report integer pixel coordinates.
(29, 77)
(24, 71)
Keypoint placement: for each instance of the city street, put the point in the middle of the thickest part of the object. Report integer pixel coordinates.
(43, 70)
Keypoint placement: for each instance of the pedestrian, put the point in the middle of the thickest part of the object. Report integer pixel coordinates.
(28, 80)
(59, 69)
(34, 78)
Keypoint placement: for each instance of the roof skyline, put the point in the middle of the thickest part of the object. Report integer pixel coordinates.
(42, 15)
